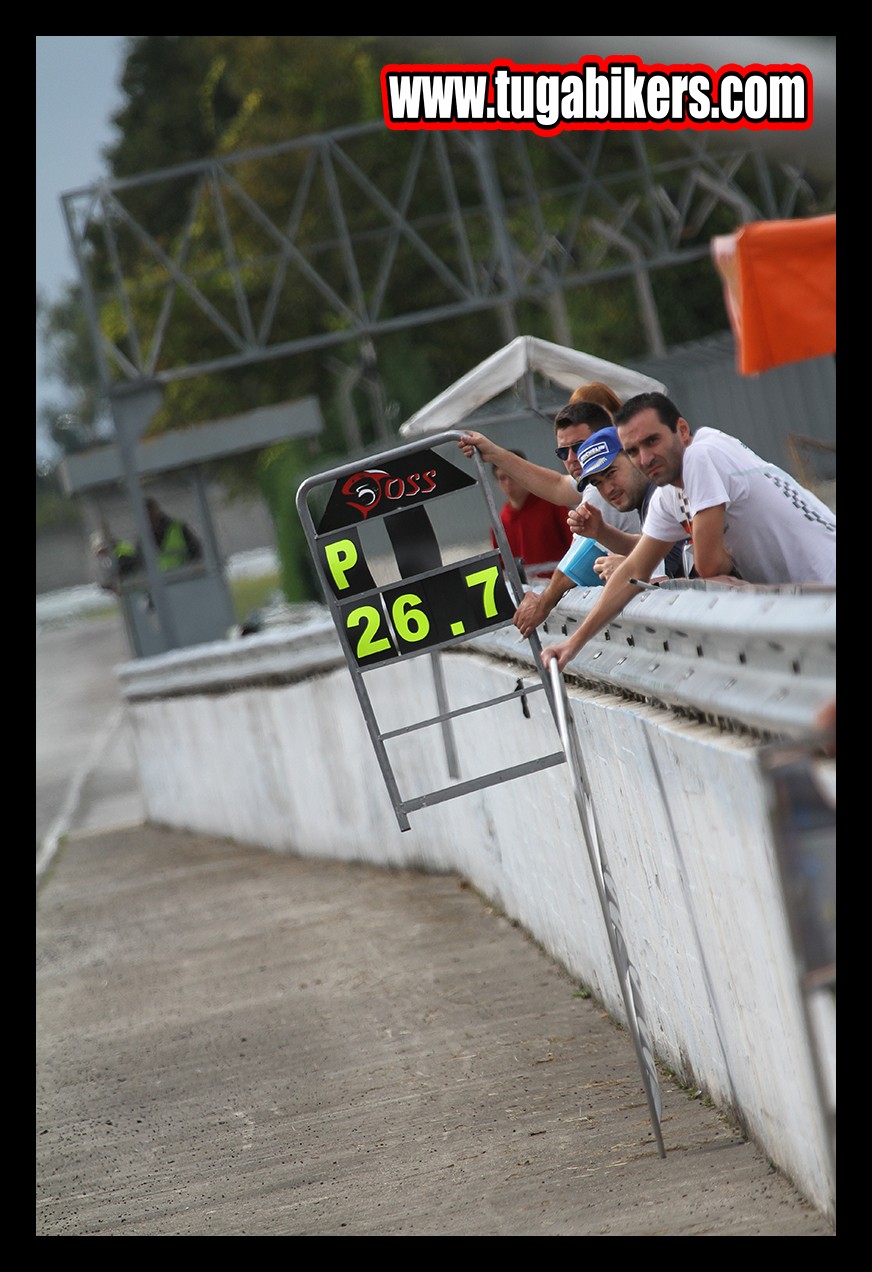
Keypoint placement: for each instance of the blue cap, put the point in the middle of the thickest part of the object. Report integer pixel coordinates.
(600, 450)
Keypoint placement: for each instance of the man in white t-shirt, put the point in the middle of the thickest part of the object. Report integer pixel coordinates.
(747, 518)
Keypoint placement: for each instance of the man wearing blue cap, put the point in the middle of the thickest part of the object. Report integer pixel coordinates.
(605, 467)
(573, 426)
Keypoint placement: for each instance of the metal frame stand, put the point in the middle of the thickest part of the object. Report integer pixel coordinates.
(421, 567)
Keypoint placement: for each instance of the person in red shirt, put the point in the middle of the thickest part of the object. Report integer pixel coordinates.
(536, 529)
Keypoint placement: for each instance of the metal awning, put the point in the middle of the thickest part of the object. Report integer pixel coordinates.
(181, 448)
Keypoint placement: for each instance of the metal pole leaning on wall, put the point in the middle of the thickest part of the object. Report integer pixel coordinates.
(608, 902)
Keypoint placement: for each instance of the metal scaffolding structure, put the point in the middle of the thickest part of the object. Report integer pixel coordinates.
(385, 231)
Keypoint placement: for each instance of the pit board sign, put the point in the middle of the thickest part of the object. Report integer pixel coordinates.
(422, 605)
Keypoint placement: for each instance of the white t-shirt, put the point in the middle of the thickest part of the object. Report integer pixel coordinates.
(775, 530)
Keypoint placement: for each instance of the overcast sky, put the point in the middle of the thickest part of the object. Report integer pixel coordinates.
(76, 93)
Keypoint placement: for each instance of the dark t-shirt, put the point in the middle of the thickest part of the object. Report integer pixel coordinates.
(537, 531)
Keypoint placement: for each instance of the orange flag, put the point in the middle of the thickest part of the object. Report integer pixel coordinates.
(780, 290)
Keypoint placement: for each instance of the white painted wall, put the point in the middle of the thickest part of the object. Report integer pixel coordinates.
(280, 757)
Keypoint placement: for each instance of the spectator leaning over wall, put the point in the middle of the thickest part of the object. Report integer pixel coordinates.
(749, 521)
(573, 426)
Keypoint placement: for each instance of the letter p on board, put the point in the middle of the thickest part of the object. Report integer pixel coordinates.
(344, 564)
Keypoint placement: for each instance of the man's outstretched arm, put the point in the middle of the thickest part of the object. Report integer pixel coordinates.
(557, 488)
(617, 592)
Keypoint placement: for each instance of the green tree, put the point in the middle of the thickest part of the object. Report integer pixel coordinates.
(82, 419)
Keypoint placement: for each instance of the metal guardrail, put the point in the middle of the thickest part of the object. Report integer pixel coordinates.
(761, 660)
(756, 659)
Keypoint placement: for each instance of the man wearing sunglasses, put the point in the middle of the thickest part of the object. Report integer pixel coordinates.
(573, 425)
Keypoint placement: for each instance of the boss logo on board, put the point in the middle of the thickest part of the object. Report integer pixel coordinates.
(365, 490)
(377, 491)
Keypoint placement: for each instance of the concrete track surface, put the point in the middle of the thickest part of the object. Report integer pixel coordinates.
(234, 1042)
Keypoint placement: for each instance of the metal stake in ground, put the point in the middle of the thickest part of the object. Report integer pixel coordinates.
(627, 975)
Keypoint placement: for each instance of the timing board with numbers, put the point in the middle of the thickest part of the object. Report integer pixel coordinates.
(393, 597)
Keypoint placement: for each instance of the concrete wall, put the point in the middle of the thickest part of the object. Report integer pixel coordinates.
(263, 741)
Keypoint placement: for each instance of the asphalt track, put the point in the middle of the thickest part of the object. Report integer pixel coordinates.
(234, 1042)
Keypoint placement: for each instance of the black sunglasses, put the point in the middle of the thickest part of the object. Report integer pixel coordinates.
(562, 452)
